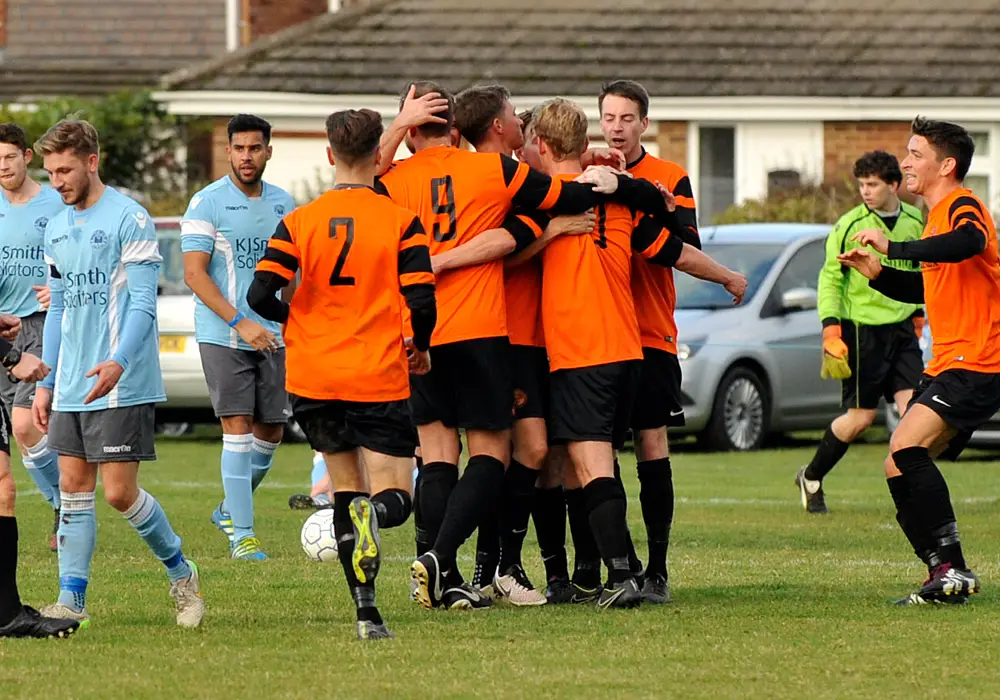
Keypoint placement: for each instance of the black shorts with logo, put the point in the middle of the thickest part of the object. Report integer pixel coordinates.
(658, 397)
(884, 360)
(964, 399)
(593, 403)
(469, 386)
(333, 426)
(530, 371)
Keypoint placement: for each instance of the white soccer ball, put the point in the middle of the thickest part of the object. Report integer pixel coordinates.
(318, 539)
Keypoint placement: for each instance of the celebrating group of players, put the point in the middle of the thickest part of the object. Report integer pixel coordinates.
(528, 303)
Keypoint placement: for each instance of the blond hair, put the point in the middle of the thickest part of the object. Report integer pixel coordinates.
(562, 125)
(74, 135)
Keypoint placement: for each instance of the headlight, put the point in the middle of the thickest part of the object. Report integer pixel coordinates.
(685, 351)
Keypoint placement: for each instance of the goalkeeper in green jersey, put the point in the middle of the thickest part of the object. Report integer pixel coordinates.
(870, 342)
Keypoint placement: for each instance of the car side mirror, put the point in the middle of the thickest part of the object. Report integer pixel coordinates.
(799, 299)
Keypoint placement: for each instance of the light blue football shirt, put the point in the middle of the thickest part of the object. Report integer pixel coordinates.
(90, 249)
(222, 221)
(22, 250)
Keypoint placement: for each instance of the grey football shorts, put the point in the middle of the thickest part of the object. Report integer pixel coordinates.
(22, 394)
(246, 383)
(124, 434)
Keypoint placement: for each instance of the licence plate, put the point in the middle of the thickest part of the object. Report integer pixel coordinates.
(172, 343)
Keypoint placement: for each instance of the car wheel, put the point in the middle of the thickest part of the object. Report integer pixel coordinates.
(294, 433)
(740, 414)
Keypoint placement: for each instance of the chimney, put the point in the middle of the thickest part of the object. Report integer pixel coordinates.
(270, 16)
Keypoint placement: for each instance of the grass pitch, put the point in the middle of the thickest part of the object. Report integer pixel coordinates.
(769, 602)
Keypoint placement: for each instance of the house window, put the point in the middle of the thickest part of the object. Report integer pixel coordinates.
(984, 173)
(716, 170)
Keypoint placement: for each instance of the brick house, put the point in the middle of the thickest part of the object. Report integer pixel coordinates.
(53, 48)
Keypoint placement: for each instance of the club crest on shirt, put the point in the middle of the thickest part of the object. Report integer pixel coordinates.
(41, 222)
(98, 239)
(279, 209)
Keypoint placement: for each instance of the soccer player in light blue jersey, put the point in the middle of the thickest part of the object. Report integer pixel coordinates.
(223, 235)
(97, 404)
(25, 210)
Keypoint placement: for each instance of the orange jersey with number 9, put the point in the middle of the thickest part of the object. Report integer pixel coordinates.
(457, 195)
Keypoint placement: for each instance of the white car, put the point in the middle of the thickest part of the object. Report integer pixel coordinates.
(187, 401)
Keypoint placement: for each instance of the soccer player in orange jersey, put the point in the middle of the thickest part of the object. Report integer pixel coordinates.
(593, 339)
(487, 120)
(348, 362)
(624, 107)
(959, 280)
(458, 195)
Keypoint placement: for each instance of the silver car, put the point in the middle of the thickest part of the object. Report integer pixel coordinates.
(754, 369)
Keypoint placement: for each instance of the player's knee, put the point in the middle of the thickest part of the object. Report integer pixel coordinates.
(891, 471)
(121, 497)
(532, 455)
(25, 432)
(651, 444)
(237, 425)
(855, 422)
(269, 432)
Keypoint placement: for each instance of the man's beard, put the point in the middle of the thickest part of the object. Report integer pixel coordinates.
(256, 178)
(14, 185)
(82, 197)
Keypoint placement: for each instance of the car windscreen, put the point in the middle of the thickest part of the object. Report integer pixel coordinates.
(172, 267)
(753, 261)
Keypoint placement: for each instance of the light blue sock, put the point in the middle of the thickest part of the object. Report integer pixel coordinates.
(237, 483)
(77, 537)
(40, 481)
(261, 459)
(319, 468)
(46, 462)
(147, 517)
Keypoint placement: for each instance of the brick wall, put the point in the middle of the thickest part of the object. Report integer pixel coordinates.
(672, 139)
(844, 142)
(269, 16)
(220, 139)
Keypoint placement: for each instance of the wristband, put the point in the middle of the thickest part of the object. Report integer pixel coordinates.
(236, 319)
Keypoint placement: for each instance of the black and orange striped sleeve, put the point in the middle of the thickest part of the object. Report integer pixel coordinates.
(282, 255)
(530, 189)
(966, 239)
(275, 270)
(414, 258)
(686, 212)
(525, 228)
(416, 281)
(656, 243)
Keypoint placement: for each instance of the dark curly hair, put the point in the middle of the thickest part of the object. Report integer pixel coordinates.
(880, 164)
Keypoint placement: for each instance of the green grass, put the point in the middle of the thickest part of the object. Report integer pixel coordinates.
(769, 602)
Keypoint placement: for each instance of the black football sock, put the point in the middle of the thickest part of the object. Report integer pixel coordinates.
(518, 498)
(419, 527)
(10, 601)
(656, 496)
(829, 452)
(488, 545)
(437, 481)
(910, 523)
(362, 593)
(476, 493)
(932, 501)
(393, 507)
(633, 558)
(607, 520)
(549, 514)
(587, 567)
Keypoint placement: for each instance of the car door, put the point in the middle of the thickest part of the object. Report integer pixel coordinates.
(794, 337)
